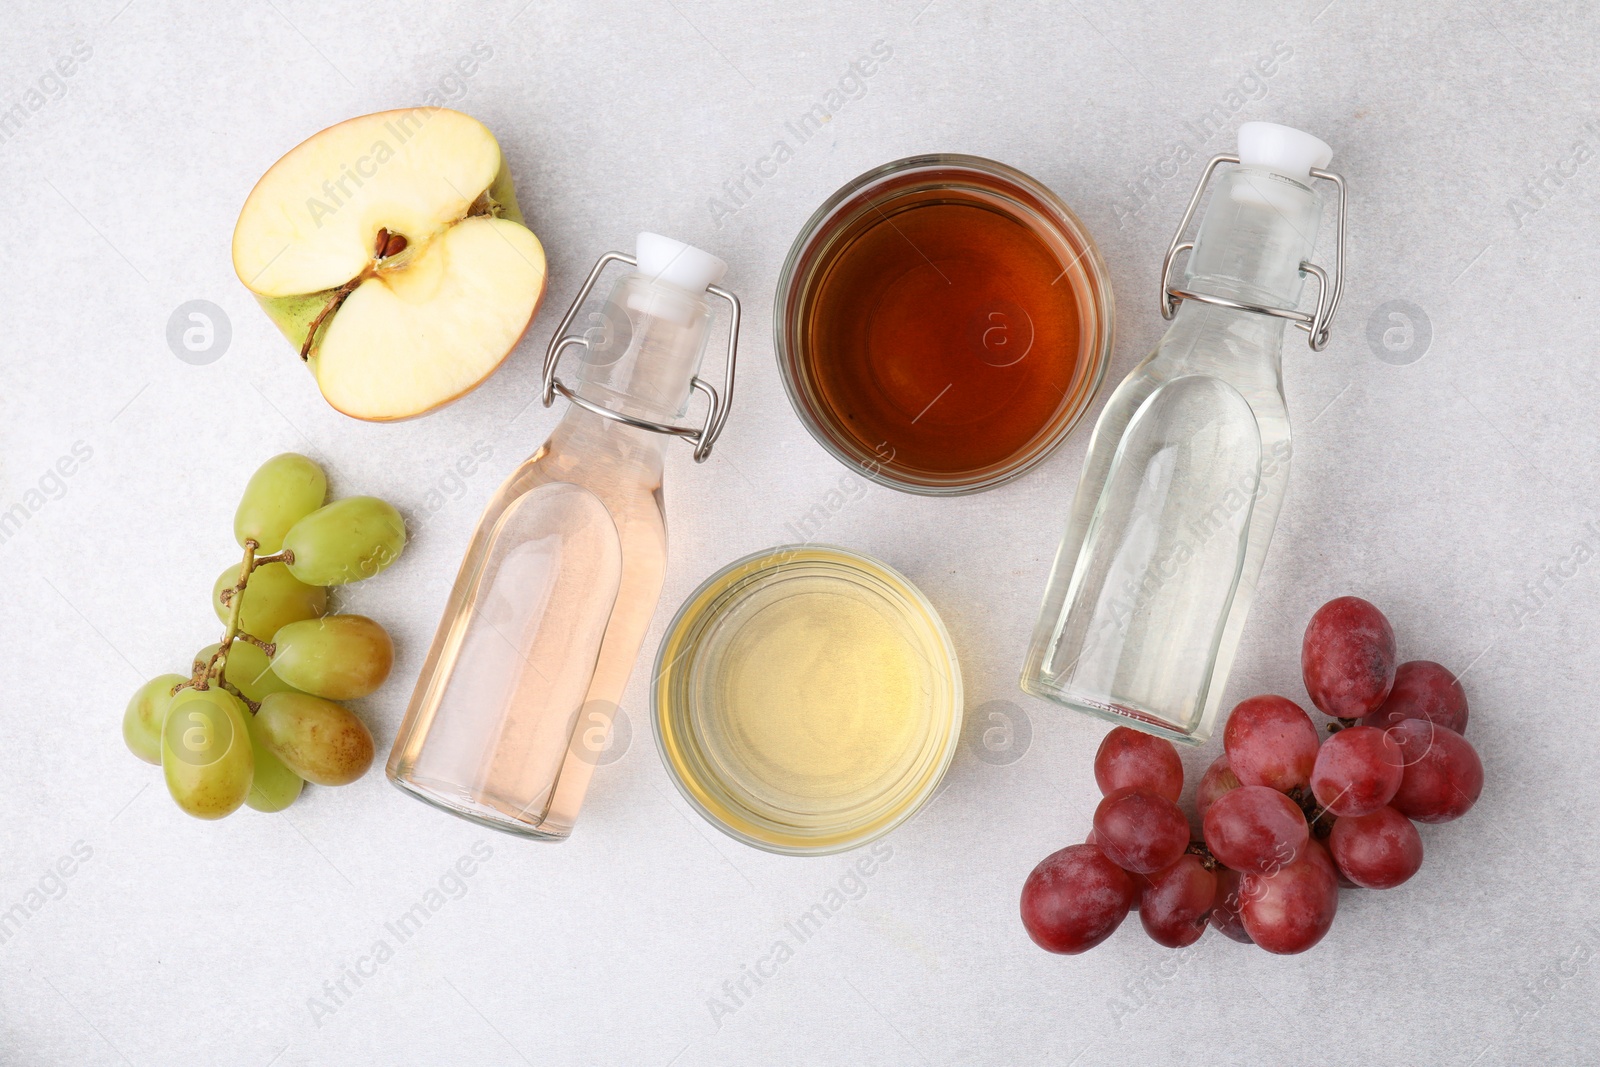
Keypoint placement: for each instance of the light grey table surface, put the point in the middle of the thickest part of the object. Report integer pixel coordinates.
(1448, 477)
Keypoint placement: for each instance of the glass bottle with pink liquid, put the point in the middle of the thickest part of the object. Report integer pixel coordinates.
(565, 567)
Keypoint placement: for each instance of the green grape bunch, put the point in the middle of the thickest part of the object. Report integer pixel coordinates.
(257, 715)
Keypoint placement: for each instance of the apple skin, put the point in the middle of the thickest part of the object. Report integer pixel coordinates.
(293, 315)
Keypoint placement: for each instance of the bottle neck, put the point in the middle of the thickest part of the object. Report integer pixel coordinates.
(1258, 229)
(643, 349)
(1246, 329)
(582, 437)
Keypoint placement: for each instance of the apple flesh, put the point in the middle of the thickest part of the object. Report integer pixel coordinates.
(389, 249)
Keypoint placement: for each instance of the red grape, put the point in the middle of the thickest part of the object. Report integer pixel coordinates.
(1140, 831)
(1270, 741)
(1348, 658)
(1074, 899)
(1268, 873)
(1254, 828)
(1289, 910)
(1443, 775)
(1176, 901)
(1423, 690)
(1139, 880)
(1379, 850)
(1128, 759)
(1358, 770)
(1225, 906)
(1218, 779)
(1316, 852)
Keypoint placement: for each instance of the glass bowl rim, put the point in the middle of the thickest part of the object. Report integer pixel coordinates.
(1065, 221)
(861, 564)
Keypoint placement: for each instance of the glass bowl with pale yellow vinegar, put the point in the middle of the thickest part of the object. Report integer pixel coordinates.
(807, 699)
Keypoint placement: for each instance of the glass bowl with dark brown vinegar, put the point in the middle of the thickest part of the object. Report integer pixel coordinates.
(942, 323)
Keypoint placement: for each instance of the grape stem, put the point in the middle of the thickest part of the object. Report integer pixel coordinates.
(1201, 849)
(251, 704)
(212, 670)
(266, 646)
(226, 596)
(1318, 818)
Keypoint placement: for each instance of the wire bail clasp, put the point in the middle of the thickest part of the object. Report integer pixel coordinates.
(1318, 323)
(703, 436)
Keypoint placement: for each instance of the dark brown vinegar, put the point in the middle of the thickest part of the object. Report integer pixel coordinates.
(943, 335)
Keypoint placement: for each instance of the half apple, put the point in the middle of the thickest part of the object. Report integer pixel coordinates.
(389, 249)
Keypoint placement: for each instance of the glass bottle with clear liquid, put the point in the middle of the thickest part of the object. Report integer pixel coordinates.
(555, 594)
(1188, 464)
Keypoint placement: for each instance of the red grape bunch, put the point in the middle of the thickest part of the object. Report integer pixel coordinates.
(1285, 818)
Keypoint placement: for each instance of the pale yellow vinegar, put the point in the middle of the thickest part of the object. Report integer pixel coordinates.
(807, 699)
(822, 696)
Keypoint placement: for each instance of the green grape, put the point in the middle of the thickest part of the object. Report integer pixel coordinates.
(274, 786)
(346, 541)
(319, 740)
(250, 672)
(141, 723)
(273, 598)
(282, 491)
(205, 752)
(340, 657)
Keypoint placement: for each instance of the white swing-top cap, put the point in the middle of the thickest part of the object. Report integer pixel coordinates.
(661, 259)
(1282, 149)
